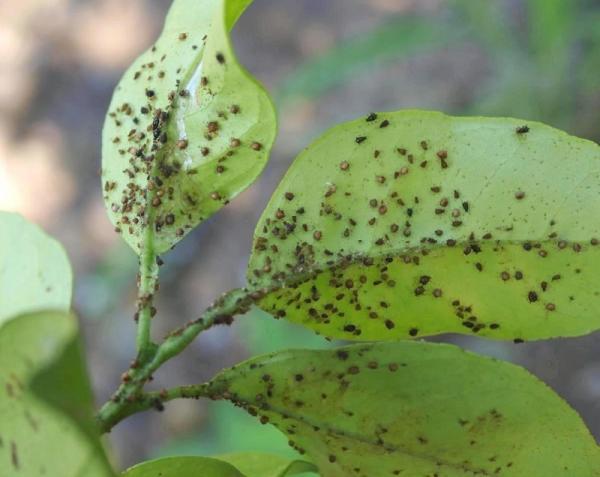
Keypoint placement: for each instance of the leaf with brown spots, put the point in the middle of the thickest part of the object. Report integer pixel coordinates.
(46, 423)
(35, 273)
(456, 225)
(187, 128)
(413, 408)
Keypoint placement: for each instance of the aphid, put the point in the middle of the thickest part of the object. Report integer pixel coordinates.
(220, 58)
(532, 297)
(522, 129)
(519, 195)
(150, 93)
(204, 151)
(289, 195)
(256, 146)
(371, 117)
(212, 127)
(235, 142)
(344, 165)
(182, 144)
(234, 109)
(183, 36)
(360, 139)
(384, 124)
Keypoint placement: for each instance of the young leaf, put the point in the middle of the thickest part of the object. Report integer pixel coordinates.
(183, 467)
(187, 129)
(35, 273)
(414, 223)
(46, 425)
(257, 464)
(413, 408)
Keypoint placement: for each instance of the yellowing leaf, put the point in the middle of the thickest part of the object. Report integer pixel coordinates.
(414, 409)
(414, 223)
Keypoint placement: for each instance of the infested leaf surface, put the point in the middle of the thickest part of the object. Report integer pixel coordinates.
(187, 128)
(414, 223)
(413, 408)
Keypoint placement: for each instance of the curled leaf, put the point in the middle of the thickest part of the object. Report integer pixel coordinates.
(413, 408)
(414, 223)
(187, 128)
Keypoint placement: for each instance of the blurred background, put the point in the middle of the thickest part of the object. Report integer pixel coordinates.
(324, 61)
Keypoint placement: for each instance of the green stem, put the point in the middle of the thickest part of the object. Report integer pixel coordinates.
(156, 399)
(128, 396)
(148, 281)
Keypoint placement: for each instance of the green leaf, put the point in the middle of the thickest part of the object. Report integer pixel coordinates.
(413, 408)
(46, 425)
(183, 467)
(164, 173)
(35, 273)
(256, 464)
(401, 36)
(417, 223)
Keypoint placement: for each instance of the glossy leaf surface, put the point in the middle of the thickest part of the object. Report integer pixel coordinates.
(183, 467)
(415, 223)
(411, 408)
(35, 273)
(257, 464)
(46, 426)
(187, 129)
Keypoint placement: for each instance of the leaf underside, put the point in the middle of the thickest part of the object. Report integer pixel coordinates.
(411, 408)
(415, 223)
(187, 128)
(46, 428)
(35, 273)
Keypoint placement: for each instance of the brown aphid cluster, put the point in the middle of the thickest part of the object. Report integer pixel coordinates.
(158, 184)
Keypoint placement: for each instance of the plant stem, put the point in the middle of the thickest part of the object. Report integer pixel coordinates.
(156, 399)
(128, 398)
(148, 281)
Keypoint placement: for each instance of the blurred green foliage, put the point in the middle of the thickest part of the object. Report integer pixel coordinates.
(541, 67)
